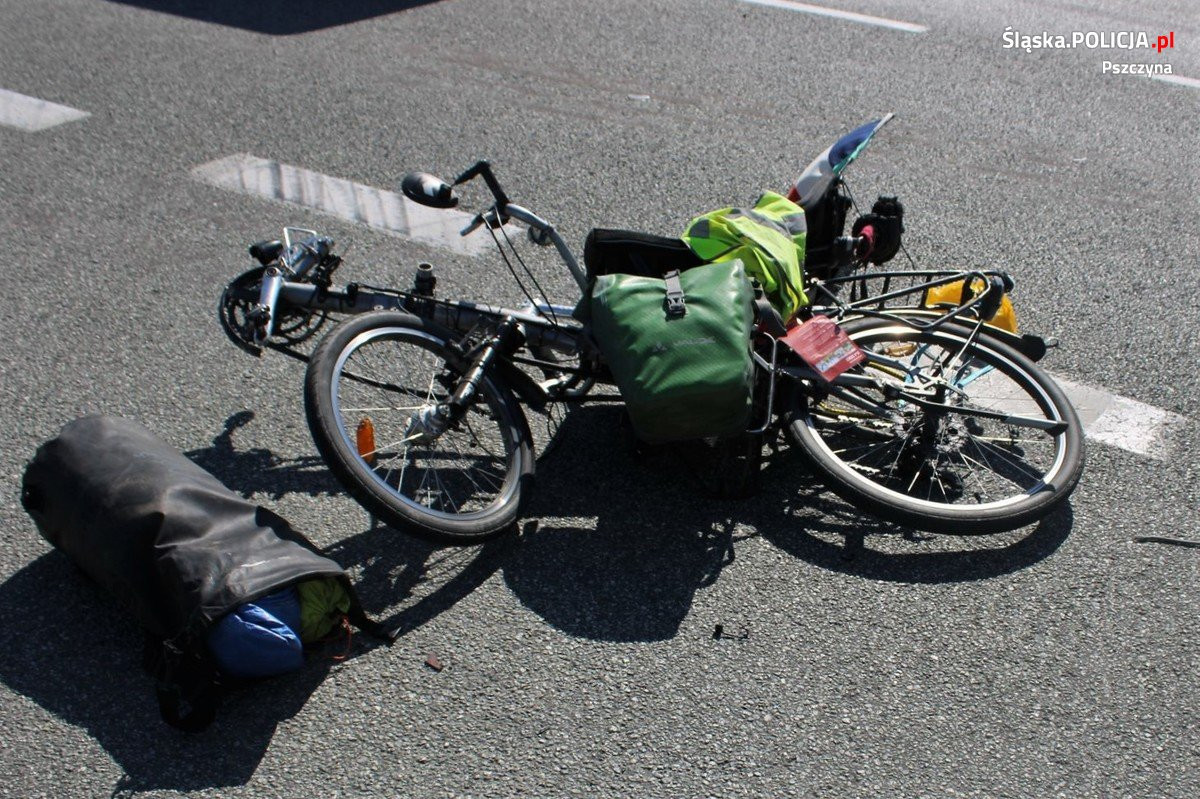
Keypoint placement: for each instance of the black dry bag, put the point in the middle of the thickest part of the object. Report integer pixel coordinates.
(175, 547)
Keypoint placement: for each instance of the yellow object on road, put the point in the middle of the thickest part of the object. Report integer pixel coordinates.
(952, 294)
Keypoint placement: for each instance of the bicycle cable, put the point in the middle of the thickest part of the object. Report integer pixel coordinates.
(516, 277)
(850, 194)
(553, 317)
(858, 284)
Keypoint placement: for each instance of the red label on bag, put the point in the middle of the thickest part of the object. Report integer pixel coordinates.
(824, 346)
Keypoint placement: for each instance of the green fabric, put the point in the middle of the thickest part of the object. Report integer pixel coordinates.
(769, 240)
(323, 603)
(681, 377)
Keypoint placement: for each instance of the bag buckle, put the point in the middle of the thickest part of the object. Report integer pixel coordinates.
(674, 303)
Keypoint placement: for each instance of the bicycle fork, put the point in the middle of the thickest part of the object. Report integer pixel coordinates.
(433, 420)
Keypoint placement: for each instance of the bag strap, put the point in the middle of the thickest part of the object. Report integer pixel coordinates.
(766, 315)
(674, 303)
(190, 713)
(185, 684)
(358, 617)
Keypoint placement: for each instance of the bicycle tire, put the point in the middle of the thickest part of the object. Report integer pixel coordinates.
(468, 462)
(852, 448)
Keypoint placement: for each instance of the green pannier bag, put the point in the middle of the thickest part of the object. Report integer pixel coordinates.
(679, 348)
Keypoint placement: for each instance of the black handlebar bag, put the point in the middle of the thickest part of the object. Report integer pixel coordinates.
(176, 548)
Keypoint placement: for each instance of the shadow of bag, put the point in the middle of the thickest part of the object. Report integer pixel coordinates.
(176, 548)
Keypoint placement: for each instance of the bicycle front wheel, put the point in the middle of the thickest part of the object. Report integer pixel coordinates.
(958, 435)
(370, 389)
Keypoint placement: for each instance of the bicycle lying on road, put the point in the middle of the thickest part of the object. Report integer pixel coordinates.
(416, 401)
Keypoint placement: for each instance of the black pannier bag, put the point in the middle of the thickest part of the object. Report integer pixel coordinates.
(624, 252)
(174, 546)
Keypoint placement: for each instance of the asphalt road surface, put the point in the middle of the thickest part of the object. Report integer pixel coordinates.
(1058, 660)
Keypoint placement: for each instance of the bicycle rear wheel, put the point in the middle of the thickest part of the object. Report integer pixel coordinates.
(939, 466)
(369, 390)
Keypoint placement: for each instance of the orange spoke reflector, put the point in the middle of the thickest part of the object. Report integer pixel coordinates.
(365, 438)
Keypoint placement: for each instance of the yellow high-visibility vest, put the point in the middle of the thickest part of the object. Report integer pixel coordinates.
(768, 239)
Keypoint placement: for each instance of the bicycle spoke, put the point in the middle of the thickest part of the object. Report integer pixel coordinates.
(916, 475)
(437, 475)
(384, 448)
(937, 478)
(899, 454)
(874, 446)
(963, 422)
(467, 471)
(967, 461)
(479, 440)
(1006, 460)
(403, 469)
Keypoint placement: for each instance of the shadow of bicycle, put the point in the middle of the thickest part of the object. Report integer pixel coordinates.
(622, 549)
(624, 545)
(259, 471)
(278, 17)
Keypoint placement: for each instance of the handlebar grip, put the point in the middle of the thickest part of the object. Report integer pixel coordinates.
(867, 243)
(472, 225)
(856, 246)
(484, 170)
(474, 170)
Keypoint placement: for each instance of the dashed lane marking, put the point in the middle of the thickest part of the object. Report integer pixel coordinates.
(1178, 80)
(33, 114)
(851, 16)
(377, 208)
(1122, 422)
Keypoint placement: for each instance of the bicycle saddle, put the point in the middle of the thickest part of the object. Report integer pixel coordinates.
(266, 251)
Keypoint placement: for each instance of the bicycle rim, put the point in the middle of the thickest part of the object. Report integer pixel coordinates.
(386, 378)
(929, 461)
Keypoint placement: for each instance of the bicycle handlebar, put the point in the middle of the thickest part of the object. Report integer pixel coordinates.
(503, 210)
(492, 219)
(483, 169)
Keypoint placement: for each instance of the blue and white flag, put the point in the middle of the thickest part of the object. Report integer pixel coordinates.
(815, 179)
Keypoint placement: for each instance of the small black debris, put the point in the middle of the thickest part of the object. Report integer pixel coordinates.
(719, 633)
(1162, 539)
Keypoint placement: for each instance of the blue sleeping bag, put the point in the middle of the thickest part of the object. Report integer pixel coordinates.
(260, 638)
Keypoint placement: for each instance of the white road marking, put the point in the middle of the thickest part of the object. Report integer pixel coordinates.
(377, 208)
(1179, 80)
(1122, 422)
(32, 114)
(852, 16)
